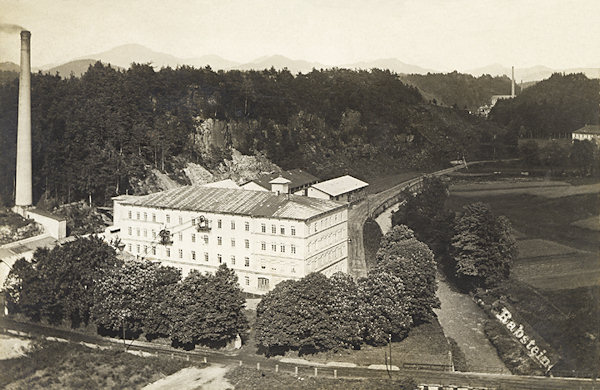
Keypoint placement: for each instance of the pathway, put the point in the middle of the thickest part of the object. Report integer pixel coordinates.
(463, 321)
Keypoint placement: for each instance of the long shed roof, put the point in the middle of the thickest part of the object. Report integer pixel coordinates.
(236, 201)
(340, 185)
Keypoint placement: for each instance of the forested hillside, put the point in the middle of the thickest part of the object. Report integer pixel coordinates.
(552, 108)
(100, 134)
(459, 89)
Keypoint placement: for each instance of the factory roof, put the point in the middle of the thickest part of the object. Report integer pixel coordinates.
(340, 185)
(236, 201)
(297, 177)
(589, 129)
(227, 183)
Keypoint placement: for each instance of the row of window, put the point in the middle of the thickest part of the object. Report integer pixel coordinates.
(326, 222)
(144, 249)
(263, 247)
(263, 229)
(143, 216)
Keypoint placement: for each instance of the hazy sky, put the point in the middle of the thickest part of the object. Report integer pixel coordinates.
(438, 34)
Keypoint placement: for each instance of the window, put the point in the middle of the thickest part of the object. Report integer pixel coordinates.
(282, 247)
(247, 226)
(168, 252)
(233, 242)
(282, 229)
(193, 221)
(129, 248)
(129, 215)
(232, 225)
(263, 228)
(154, 250)
(137, 231)
(145, 216)
(168, 217)
(293, 270)
(145, 249)
(219, 223)
(247, 244)
(193, 255)
(273, 229)
(153, 217)
(137, 215)
(246, 262)
(180, 220)
(129, 230)
(274, 247)
(263, 246)
(193, 237)
(293, 231)
(180, 236)
(137, 248)
(219, 241)
(232, 260)
(145, 232)
(181, 253)
(293, 248)
(220, 258)
(263, 284)
(247, 280)
(206, 238)
(153, 233)
(205, 256)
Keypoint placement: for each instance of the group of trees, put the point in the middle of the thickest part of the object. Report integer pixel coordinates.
(83, 281)
(552, 108)
(459, 89)
(98, 135)
(556, 156)
(475, 247)
(317, 313)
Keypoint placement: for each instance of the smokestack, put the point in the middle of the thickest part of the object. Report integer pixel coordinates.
(23, 190)
(512, 90)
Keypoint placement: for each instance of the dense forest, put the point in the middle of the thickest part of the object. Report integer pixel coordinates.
(552, 108)
(459, 89)
(96, 136)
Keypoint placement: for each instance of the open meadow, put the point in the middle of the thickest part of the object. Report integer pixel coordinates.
(555, 281)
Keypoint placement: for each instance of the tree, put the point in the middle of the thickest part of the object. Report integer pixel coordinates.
(554, 155)
(582, 156)
(384, 308)
(483, 246)
(312, 314)
(132, 296)
(407, 258)
(206, 309)
(426, 214)
(59, 283)
(530, 153)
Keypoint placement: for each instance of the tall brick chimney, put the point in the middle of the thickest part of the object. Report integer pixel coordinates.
(23, 190)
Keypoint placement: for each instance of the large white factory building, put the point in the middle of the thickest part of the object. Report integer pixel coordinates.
(266, 237)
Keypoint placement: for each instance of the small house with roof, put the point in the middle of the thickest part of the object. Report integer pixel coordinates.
(587, 132)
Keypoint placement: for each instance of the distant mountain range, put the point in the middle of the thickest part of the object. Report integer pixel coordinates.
(123, 56)
(534, 73)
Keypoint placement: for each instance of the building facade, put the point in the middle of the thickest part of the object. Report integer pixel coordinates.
(264, 237)
(587, 132)
(343, 188)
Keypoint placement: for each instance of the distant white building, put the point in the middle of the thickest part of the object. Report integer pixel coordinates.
(227, 183)
(264, 236)
(587, 132)
(343, 188)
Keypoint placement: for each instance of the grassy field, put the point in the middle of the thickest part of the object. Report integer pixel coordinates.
(425, 344)
(556, 278)
(245, 378)
(53, 365)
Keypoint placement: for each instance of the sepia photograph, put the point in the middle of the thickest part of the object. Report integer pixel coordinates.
(300, 194)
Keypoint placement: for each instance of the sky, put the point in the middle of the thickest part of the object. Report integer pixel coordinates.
(444, 35)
